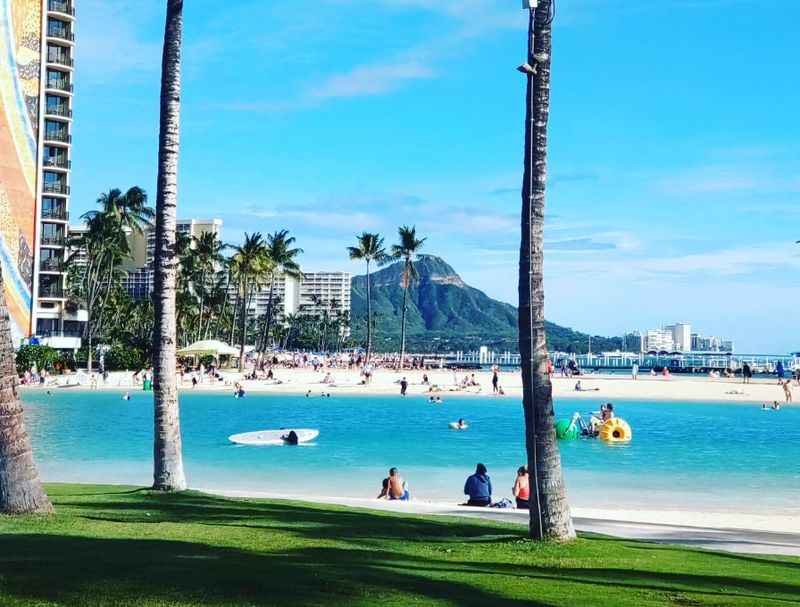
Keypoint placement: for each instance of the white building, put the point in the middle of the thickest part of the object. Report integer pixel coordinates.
(681, 336)
(659, 340)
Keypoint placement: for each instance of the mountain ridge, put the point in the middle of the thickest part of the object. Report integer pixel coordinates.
(446, 314)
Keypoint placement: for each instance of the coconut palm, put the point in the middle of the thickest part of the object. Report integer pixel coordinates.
(281, 252)
(168, 474)
(208, 256)
(101, 248)
(21, 490)
(129, 209)
(369, 248)
(549, 510)
(249, 265)
(406, 251)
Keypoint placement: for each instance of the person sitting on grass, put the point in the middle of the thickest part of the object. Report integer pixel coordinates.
(479, 488)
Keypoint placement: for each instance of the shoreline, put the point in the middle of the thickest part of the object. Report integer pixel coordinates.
(596, 387)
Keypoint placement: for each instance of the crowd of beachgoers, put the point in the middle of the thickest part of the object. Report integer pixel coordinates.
(349, 373)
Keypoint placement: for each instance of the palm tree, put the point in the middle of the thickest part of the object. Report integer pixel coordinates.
(129, 209)
(369, 248)
(102, 247)
(282, 254)
(549, 510)
(248, 266)
(406, 251)
(168, 472)
(21, 490)
(208, 256)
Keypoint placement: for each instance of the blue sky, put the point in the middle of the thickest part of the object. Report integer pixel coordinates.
(674, 168)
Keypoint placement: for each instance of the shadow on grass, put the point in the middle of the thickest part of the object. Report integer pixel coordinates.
(294, 554)
(93, 571)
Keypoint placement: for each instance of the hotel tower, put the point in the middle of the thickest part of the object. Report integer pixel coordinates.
(36, 68)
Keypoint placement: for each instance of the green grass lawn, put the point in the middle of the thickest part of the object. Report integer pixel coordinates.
(116, 546)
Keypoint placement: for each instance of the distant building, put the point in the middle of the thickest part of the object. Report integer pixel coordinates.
(140, 279)
(681, 336)
(633, 342)
(659, 340)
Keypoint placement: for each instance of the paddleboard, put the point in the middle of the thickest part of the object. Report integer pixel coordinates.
(272, 437)
(455, 426)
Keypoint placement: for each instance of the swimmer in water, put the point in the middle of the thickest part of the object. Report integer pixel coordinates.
(126, 396)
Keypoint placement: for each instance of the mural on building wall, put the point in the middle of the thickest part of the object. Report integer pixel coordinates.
(20, 42)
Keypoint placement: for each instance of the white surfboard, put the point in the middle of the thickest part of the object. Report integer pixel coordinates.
(273, 437)
(455, 426)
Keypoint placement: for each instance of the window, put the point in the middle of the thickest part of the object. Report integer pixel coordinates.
(57, 80)
(56, 105)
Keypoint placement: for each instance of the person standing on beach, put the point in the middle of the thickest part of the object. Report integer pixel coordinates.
(403, 386)
(787, 390)
(747, 373)
(635, 371)
(495, 380)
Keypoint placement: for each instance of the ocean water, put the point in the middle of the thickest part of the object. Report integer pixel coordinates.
(684, 456)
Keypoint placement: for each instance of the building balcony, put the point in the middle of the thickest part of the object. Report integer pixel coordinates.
(60, 59)
(56, 214)
(61, 136)
(57, 163)
(51, 240)
(51, 292)
(61, 6)
(61, 33)
(61, 111)
(55, 187)
(61, 84)
(51, 265)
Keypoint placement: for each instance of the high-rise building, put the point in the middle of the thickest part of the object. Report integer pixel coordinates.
(139, 279)
(659, 340)
(36, 68)
(681, 336)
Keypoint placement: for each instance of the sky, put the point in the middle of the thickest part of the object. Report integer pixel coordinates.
(674, 167)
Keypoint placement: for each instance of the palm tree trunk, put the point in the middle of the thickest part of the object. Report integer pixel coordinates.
(243, 327)
(403, 319)
(168, 472)
(21, 490)
(369, 316)
(267, 323)
(549, 510)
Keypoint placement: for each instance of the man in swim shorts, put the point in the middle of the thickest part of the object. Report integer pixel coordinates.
(398, 490)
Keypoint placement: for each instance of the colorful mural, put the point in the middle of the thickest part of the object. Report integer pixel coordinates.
(20, 44)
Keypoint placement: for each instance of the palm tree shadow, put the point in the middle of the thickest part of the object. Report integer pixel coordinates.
(87, 571)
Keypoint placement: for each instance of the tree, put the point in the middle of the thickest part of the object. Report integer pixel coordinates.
(130, 209)
(282, 254)
(208, 255)
(406, 251)
(101, 247)
(21, 490)
(168, 474)
(369, 248)
(249, 265)
(549, 510)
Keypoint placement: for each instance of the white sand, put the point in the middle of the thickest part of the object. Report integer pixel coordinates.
(596, 387)
(759, 534)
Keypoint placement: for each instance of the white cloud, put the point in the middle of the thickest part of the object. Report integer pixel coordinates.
(368, 80)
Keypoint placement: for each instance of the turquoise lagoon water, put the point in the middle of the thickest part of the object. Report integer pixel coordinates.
(717, 457)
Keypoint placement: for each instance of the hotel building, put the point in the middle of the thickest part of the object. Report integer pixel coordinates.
(36, 85)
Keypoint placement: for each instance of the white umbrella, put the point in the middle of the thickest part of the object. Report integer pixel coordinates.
(212, 347)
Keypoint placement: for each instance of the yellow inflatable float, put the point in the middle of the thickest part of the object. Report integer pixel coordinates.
(616, 430)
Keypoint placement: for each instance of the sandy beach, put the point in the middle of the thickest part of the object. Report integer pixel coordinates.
(596, 387)
(756, 534)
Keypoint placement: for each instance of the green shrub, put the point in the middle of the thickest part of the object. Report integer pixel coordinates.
(124, 358)
(44, 357)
